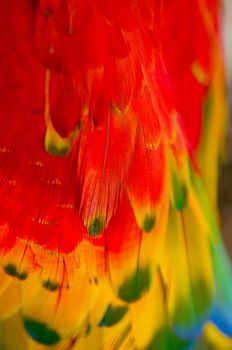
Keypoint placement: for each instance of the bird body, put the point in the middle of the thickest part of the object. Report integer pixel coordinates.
(112, 127)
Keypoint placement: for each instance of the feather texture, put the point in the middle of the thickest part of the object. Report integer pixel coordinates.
(107, 235)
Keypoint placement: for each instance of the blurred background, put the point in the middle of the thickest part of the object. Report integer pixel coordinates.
(225, 186)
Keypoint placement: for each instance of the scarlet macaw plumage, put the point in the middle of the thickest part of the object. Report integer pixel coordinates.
(112, 125)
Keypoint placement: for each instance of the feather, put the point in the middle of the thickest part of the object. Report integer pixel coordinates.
(145, 188)
(107, 237)
(101, 171)
(43, 308)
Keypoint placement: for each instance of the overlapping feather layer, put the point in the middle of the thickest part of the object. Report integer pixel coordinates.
(112, 124)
